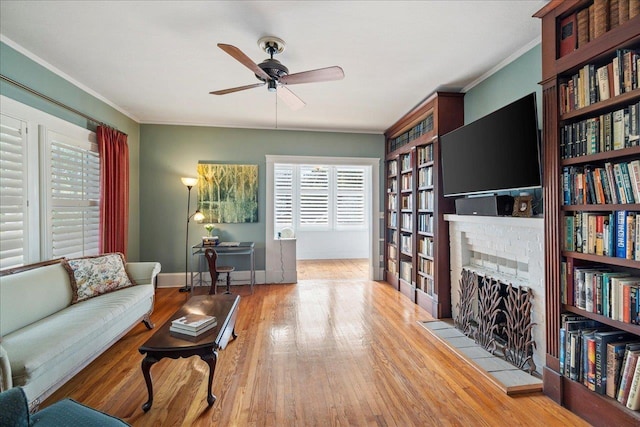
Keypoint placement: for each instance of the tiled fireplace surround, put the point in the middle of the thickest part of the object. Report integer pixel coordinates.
(506, 248)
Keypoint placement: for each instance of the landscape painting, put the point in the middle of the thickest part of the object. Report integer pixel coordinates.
(228, 193)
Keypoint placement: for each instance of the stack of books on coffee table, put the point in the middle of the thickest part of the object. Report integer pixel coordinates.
(191, 326)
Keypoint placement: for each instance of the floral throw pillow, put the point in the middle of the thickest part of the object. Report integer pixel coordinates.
(96, 275)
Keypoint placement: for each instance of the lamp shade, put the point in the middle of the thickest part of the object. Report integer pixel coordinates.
(198, 216)
(189, 182)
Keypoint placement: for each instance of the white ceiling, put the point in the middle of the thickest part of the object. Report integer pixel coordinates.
(157, 61)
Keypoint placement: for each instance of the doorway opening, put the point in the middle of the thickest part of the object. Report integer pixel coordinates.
(330, 206)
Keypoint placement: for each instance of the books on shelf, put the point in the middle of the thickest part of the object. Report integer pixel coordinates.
(406, 271)
(591, 22)
(193, 324)
(606, 132)
(425, 154)
(602, 359)
(593, 84)
(612, 234)
(598, 290)
(425, 223)
(611, 183)
(392, 167)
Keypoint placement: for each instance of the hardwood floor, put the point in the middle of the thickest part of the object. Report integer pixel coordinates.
(333, 269)
(318, 353)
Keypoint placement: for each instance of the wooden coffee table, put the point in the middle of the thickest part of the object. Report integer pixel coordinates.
(163, 344)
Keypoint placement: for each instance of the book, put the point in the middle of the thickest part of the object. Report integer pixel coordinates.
(623, 11)
(603, 83)
(618, 129)
(634, 8)
(193, 322)
(627, 370)
(633, 401)
(614, 14)
(191, 332)
(601, 18)
(568, 34)
(582, 18)
(634, 175)
(602, 340)
(626, 182)
(621, 234)
(187, 336)
(615, 357)
(590, 368)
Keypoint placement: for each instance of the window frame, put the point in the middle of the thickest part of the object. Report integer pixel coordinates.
(38, 123)
(297, 192)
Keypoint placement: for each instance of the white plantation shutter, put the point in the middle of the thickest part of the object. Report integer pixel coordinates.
(319, 197)
(314, 195)
(350, 196)
(73, 189)
(13, 192)
(283, 196)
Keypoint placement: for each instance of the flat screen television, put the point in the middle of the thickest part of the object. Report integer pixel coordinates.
(498, 152)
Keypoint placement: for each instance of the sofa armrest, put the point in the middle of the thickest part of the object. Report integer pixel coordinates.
(6, 381)
(143, 272)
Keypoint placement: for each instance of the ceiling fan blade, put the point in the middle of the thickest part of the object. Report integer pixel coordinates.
(239, 56)
(236, 89)
(319, 75)
(290, 98)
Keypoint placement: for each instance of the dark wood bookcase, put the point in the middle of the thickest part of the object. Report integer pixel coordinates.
(556, 71)
(416, 234)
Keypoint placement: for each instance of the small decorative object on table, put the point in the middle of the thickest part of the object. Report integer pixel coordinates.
(522, 205)
(209, 240)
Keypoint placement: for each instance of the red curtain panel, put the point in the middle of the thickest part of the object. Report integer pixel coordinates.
(114, 190)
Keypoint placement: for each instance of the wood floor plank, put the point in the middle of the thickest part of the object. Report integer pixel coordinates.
(325, 352)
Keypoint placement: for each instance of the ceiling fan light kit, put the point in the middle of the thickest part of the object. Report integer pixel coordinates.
(275, 74)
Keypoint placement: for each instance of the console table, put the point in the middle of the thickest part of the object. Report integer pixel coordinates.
(245, 249)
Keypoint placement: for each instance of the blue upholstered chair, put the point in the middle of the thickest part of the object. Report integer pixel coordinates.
(14, 412)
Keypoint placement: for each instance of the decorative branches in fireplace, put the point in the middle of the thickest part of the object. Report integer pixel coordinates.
(501, 323)
(518, 349)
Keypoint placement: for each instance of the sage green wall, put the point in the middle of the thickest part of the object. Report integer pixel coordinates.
(24, 70)
(170, 152)
(512, 82)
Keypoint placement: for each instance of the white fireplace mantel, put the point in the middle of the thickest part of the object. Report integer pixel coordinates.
(510, 249)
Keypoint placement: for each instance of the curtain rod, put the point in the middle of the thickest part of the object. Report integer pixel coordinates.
(53, 101)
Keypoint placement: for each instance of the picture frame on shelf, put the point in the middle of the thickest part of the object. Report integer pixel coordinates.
(522, 206)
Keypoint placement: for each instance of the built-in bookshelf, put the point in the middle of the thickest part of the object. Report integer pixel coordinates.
(591, 132)
(417, 237)
(391, 217)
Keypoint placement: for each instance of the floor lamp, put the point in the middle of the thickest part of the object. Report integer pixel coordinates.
(197, 216)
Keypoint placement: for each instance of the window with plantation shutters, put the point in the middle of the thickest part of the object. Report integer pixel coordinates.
(349, 200)
(49, 187)
(73, 194)
(309, 197)
(13, 192)
(283, 196)
(314, 195)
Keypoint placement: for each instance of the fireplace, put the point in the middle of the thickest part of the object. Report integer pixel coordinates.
(498, 317)
(509, 251)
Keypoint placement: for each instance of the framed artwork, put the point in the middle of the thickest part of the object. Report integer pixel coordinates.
(522, 206)
(228, 193)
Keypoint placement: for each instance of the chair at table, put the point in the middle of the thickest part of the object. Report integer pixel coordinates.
(215, 270)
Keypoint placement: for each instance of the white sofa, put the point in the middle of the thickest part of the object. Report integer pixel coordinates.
(45, 340)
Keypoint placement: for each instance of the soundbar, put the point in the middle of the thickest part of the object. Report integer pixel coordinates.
(485, 206)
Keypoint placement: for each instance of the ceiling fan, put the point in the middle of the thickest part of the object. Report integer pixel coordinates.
(275, 75)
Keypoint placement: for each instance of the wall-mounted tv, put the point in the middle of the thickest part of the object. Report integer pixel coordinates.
(498, 152)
